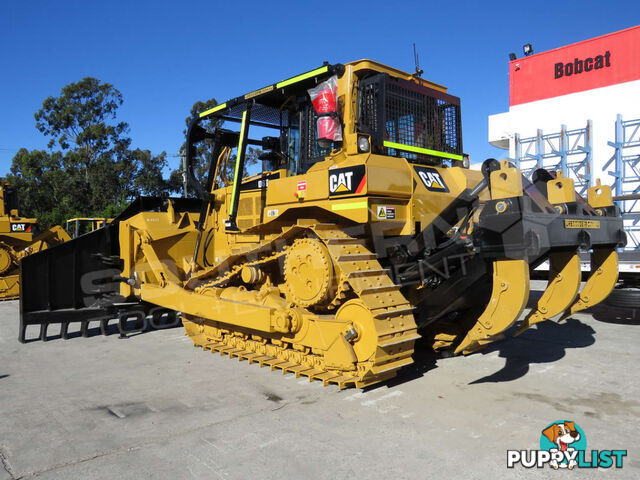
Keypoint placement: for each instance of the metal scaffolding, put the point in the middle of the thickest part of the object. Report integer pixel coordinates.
(570, 151)
(626, 173)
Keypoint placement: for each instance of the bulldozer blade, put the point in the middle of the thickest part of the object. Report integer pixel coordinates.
(508, 298)
(564, 283)
(604, 275)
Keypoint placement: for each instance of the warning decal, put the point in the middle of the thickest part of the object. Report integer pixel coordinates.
(385, 213)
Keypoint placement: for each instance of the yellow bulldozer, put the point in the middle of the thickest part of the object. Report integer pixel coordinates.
(363, 231)
(19, 237)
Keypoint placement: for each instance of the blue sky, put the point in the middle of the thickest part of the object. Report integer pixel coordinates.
(163, 56)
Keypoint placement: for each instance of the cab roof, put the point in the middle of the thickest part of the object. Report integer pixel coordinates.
(269, 100)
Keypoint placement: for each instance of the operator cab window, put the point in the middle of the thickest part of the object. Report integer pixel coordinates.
(290, 123)
(406, 119)
(299, 148)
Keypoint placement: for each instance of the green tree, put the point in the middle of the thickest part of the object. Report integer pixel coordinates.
(147, 181)
(43, 187)
(83, 120)
(95, 170)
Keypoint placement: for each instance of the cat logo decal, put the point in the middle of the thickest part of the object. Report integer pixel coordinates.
(432, 179)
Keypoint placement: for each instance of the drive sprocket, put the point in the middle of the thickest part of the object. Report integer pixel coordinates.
(309, 273)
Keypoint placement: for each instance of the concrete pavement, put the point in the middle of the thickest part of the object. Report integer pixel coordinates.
(154, 406)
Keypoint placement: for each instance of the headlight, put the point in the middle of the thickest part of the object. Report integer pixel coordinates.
(465, 161)
(363, 144)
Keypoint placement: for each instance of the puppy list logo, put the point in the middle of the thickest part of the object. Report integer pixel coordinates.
(563, 444)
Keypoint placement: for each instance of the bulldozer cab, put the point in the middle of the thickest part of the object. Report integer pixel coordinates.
(11, 223)
(335, 110)
(399, 116)
(9, 200)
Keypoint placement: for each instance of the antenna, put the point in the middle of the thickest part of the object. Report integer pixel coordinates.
(419, 72)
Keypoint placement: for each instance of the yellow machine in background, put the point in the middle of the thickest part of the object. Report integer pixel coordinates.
(364, 231)
(19, 237)
(79, 225)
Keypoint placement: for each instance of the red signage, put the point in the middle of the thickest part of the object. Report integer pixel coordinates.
(594, 63)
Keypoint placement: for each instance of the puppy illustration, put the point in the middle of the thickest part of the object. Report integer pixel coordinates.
(562, 435)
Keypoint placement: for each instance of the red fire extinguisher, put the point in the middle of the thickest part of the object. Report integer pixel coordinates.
(323, 98)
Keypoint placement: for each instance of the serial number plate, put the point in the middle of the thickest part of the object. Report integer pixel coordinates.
(582, 224)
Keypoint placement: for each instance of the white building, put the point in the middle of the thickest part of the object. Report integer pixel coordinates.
(583, 87)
